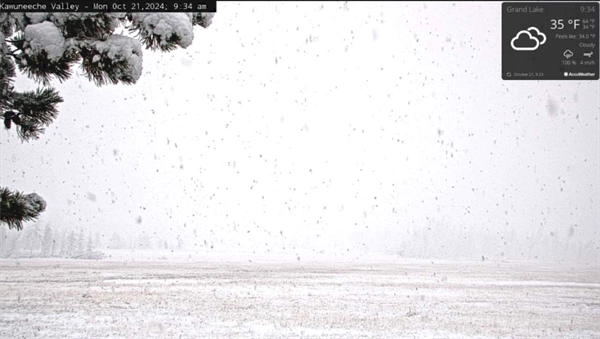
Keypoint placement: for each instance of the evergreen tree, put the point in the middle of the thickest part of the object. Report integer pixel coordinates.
(54, 243)
(144, 241)
(45, 47)
(12, 248)
(116, 241)
(90, 246)
(97, 241)
(3, 242)
(63, 244)
(160, 243)
(47, 242)
(33, 240)
(71, 245)
(80, 247)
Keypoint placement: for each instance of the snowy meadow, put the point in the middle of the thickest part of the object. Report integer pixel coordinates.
(376, 297)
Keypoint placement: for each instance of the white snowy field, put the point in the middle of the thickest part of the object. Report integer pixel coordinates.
(291, 298)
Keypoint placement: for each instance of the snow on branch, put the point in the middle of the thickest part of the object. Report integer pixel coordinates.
(16, 207)
(164, 31)
(118, 58)
(44, 36)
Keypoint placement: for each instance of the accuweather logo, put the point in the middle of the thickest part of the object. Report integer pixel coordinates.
(528, 40)
(579, 74)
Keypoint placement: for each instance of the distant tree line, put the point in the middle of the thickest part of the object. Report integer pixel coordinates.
(46, 242)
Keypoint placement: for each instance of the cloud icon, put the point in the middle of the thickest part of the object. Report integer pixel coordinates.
(538, 35)
(526, 41)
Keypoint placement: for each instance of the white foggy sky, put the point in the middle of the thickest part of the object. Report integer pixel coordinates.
(355, 127)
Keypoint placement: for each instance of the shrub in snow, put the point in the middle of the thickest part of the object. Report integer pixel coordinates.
(96, 255)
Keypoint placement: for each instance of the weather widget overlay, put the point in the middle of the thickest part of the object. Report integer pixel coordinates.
(550, 41)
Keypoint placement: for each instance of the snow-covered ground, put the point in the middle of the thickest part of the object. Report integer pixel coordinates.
(264, 297)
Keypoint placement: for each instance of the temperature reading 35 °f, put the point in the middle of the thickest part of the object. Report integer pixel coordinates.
(560, 23)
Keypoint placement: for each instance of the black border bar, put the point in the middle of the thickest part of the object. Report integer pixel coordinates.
(82, 6)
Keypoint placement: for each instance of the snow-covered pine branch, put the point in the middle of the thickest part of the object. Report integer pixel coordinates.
(17, 208)
(45, 46)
